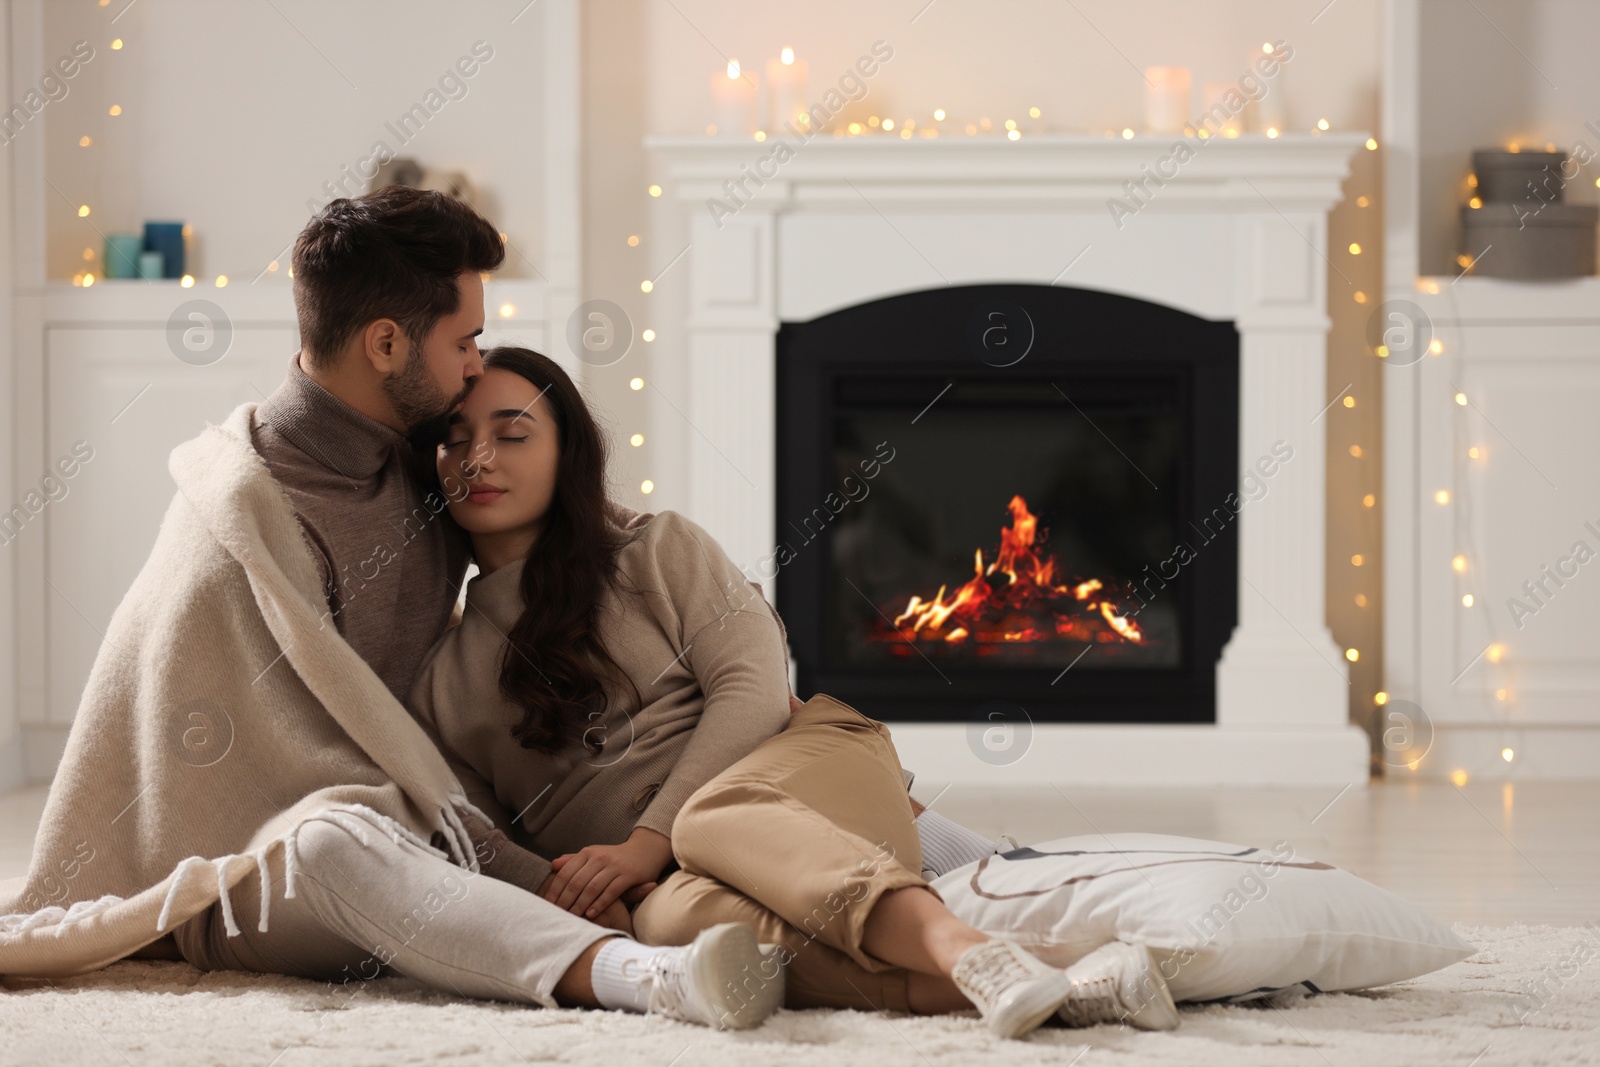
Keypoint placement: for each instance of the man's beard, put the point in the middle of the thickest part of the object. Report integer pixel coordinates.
(416, 400)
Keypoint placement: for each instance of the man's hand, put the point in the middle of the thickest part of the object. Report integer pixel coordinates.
(795, 704)
(589, 881)
(500, 857)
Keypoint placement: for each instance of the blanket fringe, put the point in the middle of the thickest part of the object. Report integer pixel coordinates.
(222, 896)
(55, 915)
(461, 850)
(460, 804)
(357, 828)
(266, 887)
(291, 864)
(220, 866)
(178, 874)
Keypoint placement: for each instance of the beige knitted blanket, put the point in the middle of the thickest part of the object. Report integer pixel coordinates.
(219, 715)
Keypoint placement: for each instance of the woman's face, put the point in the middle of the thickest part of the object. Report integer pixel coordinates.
(500, 454)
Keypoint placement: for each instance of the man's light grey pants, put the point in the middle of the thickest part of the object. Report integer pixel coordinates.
(360, 907)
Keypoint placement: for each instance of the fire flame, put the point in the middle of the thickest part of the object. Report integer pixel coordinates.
(1020, 596)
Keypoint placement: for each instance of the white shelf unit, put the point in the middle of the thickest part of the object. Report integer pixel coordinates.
(1516, 377)
(95, 364)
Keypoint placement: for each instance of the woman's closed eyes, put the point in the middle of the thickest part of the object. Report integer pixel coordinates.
(455, 444)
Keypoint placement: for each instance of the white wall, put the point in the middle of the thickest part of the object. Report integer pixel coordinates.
(648, 65)
(10, 720)
(232, 116)
(1543, 88)
(235, 114)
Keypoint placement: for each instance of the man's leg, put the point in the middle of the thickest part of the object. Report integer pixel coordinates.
(360, 907)
(365, 903)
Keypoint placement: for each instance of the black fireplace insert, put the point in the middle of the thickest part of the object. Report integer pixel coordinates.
(1013, 494)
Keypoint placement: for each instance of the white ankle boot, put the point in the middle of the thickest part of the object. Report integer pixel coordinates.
(1115, 983)
(1012, 989)
(721, 979)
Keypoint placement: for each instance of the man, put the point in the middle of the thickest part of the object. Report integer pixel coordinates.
(299, 580)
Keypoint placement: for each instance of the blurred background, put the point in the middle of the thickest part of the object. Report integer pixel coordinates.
(595, 133)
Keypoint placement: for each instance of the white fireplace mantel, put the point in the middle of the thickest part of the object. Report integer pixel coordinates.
(1237, 232)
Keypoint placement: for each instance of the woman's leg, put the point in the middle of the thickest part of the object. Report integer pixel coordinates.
(815, 975)
(836, 855)
(913, 928)
(816, 826)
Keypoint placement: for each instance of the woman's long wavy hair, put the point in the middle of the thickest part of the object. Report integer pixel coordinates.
(554, 662)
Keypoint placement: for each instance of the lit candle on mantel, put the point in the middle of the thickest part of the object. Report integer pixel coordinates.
(1168, 95)
(1218, 112)
(1271, 112)
(733, 98)
(786, 90)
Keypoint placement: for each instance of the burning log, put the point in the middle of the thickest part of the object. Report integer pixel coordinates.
(1018, 597)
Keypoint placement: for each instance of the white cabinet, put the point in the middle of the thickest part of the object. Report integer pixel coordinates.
(1495, 496)
(1493, 491)
(75, 357)
(123, 394)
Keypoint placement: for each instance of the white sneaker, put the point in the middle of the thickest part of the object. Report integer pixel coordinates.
(1115, 983)
(1013, 990)
(717, 980)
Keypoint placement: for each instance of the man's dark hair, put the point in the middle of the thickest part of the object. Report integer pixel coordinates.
(391, 254)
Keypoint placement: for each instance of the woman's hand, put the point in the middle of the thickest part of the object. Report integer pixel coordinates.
(617, 917)
(589, 881)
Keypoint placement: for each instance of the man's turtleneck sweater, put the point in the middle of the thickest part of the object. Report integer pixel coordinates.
(392, 562)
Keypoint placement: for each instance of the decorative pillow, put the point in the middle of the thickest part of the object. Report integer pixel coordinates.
(1224, 921)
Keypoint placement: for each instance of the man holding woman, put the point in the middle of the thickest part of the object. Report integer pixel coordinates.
(610, 663)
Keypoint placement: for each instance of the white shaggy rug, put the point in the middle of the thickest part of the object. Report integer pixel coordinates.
(1530, 996)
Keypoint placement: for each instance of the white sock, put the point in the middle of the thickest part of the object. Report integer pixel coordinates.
(947, 845)
(619, 980)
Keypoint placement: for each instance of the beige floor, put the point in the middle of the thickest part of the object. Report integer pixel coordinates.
(1484, 854)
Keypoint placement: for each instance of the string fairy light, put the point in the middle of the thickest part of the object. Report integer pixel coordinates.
(1497, 663)
(1012, 129)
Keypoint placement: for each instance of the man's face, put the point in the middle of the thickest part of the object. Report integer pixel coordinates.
(438, 375)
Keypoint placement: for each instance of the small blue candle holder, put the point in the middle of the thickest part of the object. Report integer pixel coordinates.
(122, 255)
(166, 238)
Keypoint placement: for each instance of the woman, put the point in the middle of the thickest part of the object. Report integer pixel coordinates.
(610, 665)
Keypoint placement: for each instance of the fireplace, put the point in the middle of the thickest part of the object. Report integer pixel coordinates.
(1232, 257)
(982, 488)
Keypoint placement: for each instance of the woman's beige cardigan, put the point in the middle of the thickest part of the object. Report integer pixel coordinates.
(218, 716)
(706, 651)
